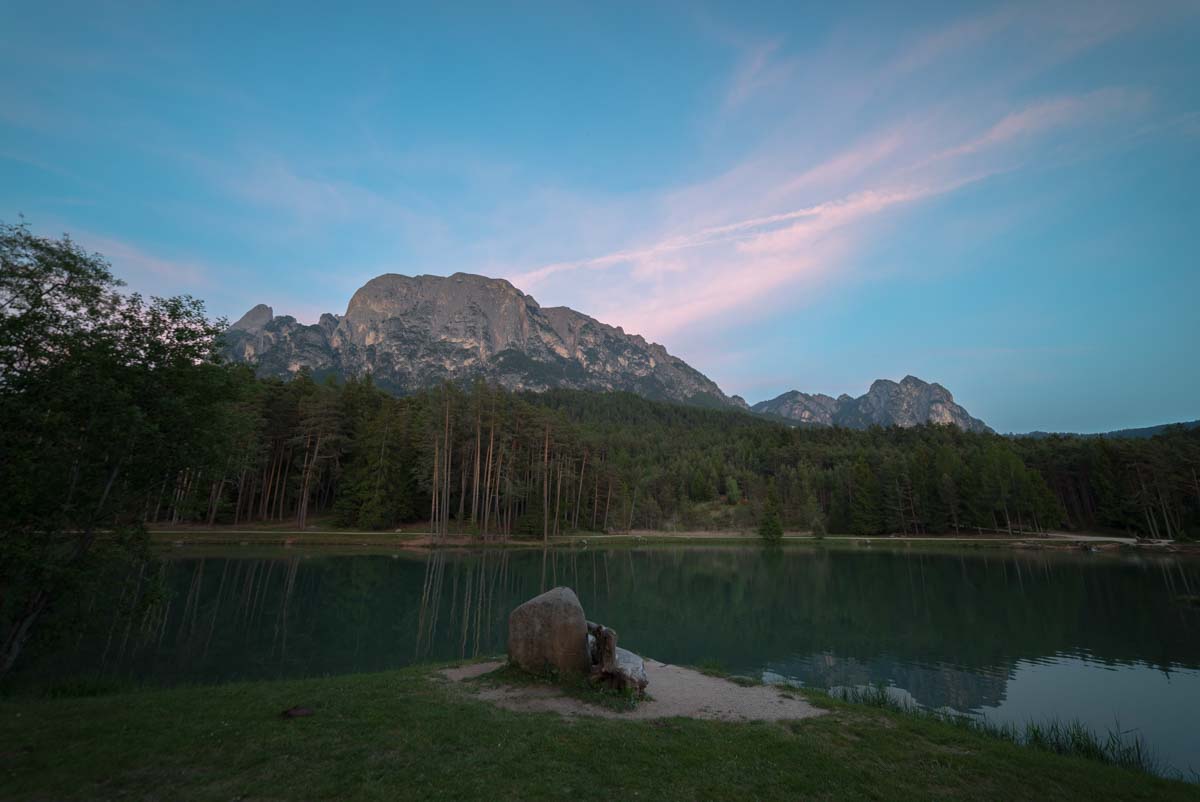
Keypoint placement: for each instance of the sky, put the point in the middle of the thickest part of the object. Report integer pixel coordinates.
(998, 197)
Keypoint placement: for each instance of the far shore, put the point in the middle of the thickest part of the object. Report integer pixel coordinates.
(415, 539)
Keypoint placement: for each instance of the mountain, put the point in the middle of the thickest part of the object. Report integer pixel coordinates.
(909, 402)
(411, 332)
(816, 410)
(1143, 433)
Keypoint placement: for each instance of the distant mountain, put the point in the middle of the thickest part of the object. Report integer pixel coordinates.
(798, 407)
(1120, 434)
(411, 332)
(909, 402)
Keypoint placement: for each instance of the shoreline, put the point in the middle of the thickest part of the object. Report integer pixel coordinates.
(406, 734)
(419, 541)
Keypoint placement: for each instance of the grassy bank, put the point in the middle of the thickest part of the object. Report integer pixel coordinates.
(402, 734)
(1061, 737)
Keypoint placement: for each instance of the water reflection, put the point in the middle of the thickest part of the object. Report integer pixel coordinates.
(955, 629)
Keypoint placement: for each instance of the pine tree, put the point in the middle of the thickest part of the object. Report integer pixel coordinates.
(866, 514)
(770, 528)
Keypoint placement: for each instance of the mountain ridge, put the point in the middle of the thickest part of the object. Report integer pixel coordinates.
(1136, 433)
(909, 402)
(412, 332)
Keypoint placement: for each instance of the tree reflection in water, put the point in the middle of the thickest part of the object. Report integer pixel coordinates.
(949, 627)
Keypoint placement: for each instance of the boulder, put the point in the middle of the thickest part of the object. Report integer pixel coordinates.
(630, 672)
(549, 633)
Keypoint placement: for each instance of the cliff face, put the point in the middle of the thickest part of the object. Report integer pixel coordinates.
(411, 332)
(817, 410)
(909, 402)
(280, 346)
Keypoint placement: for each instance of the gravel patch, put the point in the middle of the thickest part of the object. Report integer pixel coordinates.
(673, 690)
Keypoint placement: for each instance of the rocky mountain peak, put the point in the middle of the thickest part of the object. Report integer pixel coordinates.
(329, 322)
(410, 332)
(909, 402)
(255, 319)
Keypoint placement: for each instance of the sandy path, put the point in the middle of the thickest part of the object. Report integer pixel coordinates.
(753, 537)
(674, 691)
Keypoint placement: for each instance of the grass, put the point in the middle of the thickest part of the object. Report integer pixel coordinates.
(1074, 738)
(404, 734)
(1115, 747)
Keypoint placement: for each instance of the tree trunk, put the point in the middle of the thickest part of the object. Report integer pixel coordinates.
(475, 484)
(462, 493)
(306, 482)
(487, 477)
(595, 500)
(558, 496)
(579, 493)
(546, 488)
(19, 630)
(433, 493)
(607, 503)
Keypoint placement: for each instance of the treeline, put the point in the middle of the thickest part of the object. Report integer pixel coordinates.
(484, 461)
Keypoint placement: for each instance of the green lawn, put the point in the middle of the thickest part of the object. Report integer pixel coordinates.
(403, 735)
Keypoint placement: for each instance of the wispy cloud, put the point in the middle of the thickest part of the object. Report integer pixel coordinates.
(702, 275)
(784, 222)
(1051, 113)
(273, 183)
(760, 68)
(147, 272)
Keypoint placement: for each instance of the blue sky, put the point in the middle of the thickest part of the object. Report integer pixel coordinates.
(998, 197)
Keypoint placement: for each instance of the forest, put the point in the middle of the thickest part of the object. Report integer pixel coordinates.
(496, 464)
(117, 414)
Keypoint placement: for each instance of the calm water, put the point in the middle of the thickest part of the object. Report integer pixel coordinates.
(1013, 636)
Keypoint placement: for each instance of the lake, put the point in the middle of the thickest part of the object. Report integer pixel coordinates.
(1111, 640)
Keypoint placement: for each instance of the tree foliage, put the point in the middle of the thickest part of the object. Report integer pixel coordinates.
(770, 528)
(101, 395)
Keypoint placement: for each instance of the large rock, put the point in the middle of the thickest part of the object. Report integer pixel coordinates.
(630, 671)
(549, 633)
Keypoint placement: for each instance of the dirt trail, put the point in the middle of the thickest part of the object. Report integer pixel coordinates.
(673, 690)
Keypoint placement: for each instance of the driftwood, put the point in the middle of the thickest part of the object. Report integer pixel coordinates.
(619, 669)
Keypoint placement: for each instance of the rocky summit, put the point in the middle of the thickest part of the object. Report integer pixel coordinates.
(412, 332)
(909, 402)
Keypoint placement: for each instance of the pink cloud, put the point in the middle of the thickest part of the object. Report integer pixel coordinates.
(1052, 113)
(951, 40)
(847, 165)
(709, 273)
